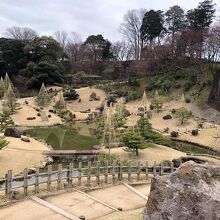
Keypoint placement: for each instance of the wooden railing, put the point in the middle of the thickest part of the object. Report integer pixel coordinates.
(93, 173)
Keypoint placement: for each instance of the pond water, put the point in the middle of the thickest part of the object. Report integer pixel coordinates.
(192, 148)
(77, 136)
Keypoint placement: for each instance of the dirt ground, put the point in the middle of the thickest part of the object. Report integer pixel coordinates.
(84, 95)
(127, 215)
(207, 136)
(157, 153)
(18, 155)
(27, 110)
(28, 210)
(78, 204)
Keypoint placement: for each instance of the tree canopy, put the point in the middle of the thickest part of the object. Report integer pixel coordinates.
(152, 25)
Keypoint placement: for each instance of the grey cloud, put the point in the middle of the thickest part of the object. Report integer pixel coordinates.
(82, 16)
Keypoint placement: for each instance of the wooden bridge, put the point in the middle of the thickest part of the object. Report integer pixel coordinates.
(71, 153)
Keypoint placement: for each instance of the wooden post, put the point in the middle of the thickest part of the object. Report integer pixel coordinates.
(138, 170)
(129, 171)
(8, 184)
(106, 172)
(59, 173)
(121, 170)
(172, 167)
(89, 174)
(113, 172)
(49, 172)
(70, 176)
(161, 169)
(37, 180)
(97, 172)
(25, 182)
(146, 170)
(80, 174)
(154, 169)
(120, 175)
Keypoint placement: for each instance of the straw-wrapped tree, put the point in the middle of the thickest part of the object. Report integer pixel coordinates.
(10, 101)
(60, 104)
(43, 98)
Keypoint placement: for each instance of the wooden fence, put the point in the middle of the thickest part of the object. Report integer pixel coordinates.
(79, 175)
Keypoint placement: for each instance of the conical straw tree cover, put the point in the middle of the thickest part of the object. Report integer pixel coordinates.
(9, 100)
(7, 82)
(42, 98)
(61, 101)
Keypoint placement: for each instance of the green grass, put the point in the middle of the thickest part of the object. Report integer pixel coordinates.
(178, 80)
(64, 138)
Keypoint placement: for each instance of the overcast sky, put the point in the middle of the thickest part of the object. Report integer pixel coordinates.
(85, 17)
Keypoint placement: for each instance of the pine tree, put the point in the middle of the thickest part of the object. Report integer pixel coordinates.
(60, 104)
(2, 87)
(157, 102)
(10, 100)
(42, 99)
(7, 82)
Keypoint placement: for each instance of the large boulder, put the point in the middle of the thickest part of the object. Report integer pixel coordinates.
(191, 192)
(12, 132)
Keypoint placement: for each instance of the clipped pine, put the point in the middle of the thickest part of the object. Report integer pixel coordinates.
(10, 100)
(43, 98)
(7, 82)
(60, 104)
(2, 87)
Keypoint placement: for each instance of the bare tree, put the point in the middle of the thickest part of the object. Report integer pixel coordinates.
(212, 47)
(62, 38)
(130, 29)
(122, 50)
(20, 33)
(75, 48)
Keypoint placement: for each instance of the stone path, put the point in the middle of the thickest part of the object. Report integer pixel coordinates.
(72, 205)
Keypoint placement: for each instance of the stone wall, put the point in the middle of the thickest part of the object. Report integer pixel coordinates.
(214, 97)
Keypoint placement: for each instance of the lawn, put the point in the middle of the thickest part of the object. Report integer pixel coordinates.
(64, 138)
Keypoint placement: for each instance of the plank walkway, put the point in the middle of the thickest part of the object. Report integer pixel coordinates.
(54, 208)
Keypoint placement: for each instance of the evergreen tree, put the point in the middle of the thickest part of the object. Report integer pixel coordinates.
(2, 87)
(202, 16)
(7, 82)
(10, 101)
(5, 120)
(152, 25)
(42, 99)
(60, 104)
(157, 102)
(133, 140)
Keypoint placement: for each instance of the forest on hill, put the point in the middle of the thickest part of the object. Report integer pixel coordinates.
(154, 42)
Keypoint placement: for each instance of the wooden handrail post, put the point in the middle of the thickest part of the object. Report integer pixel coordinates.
(154, 169)
(8, 184)
(106, 172)
(138, 170)
(25, 182)
(97, 172)
(161, 169)
(49, 172)
(146, 170)
(37, 180)
(113, 172)
(70, 176)
(59, 173)
(89, 174)
(80, 174)
(129, 171)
